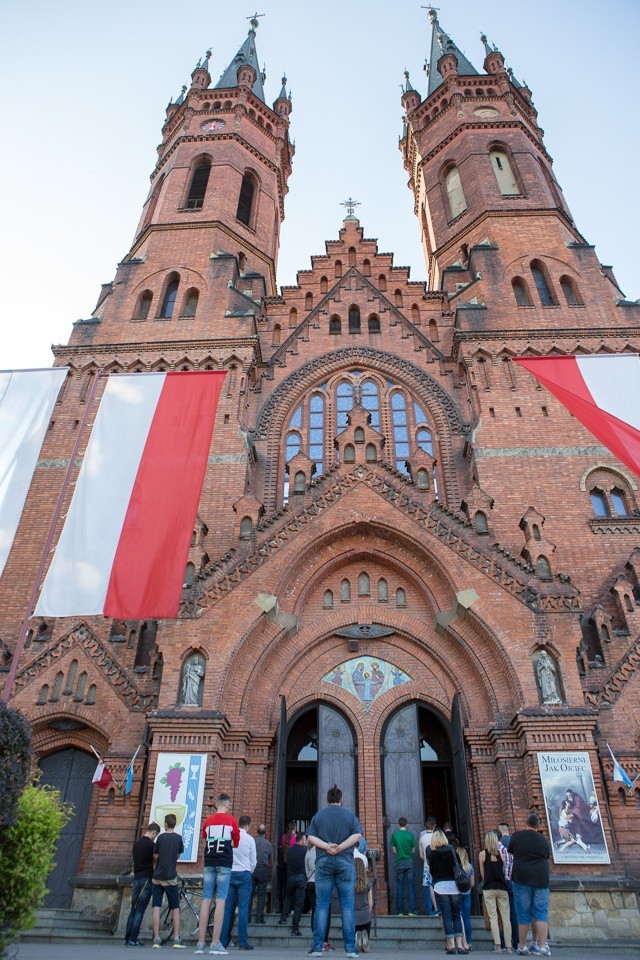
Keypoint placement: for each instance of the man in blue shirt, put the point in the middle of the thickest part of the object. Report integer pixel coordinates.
(334, 832)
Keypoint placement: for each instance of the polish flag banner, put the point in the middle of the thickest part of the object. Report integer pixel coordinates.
(602, 392)
(124, 546)
(103, 776)
(27, 398)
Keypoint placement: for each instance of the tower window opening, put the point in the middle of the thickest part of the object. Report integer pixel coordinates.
(170, 295)
(401, 597)
(246, 528)
(190, 303)
(349, 453)
(570, 292)
(275, 336)
(338, 269)
(599, 503)
(366, 268)
(398, 298)
(520, 292)
(370, 453)
(345, 591)
(335, 324)
(327, 601)
(354, 319)
(308, 301)
(245, 201)
(144, 305)
(619, 503)
(382, 282)
(539, 275)
(352, 256)
(374, 323)
(503, 172)
(400, 430)
(324, 284)
(198, 187)
(455, 193)
(383, 591)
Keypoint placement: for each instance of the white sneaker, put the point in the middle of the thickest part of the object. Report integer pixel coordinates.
(200, 947)
(365, 941)
(218, 949)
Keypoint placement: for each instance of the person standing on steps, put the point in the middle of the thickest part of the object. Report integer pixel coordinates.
(260, 878)
(403, 845)
(530, 875)
(221, 834)
(240, 886)
(427, 886)
(334, 831)
(142, 856)
(168, 848)
(296, 883)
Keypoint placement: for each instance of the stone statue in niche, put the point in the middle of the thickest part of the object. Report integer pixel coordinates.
(546, 671)
(192, 681)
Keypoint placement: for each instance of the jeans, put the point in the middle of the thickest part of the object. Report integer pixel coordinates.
(259, 879)
(240, 891)
(340, 873)
(140, 896)
(429, 908)
(405, 876)
(449, 907)
(531, 902)
(295, 890)
(465, 913)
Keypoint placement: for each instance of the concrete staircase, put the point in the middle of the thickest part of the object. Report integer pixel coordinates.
(60, 925)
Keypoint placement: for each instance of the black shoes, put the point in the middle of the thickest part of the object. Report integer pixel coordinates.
(296, 933)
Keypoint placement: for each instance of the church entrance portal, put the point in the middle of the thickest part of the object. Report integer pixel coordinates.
(320, 752)
(419, 781)
(69, 771)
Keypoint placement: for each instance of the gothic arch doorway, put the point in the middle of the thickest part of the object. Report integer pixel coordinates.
(69, 771)
(418, 781)
(321, 751)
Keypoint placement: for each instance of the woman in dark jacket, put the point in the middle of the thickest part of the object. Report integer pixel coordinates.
(442, 861)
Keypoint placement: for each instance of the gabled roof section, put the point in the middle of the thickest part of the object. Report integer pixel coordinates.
(442, 43)
(246, 54)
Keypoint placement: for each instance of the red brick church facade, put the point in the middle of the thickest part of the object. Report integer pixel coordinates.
(419, 521)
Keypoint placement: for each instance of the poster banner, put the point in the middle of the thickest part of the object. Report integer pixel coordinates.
(179, 788)
(573, 813)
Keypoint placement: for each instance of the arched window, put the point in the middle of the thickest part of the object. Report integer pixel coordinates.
(245, 200)
(316, 431)
(544, 568)
(344, 404)
(293, 446)
(324, 284)
(501, 167)
(352, 256)
(354, 319)
(370, 453)
(535, 529)
(382, 282)
(521, 292)
(604, 633)
(599, 503)
(345, 591)
(308, 302)
(327, 600)
(198, 187)
(422, 479)
(364, 585)
(400, 430)
(480, 522)
(335, 324)
(358, 435)
(374, 323)
(293, 317)
(371, 402)
(276, 334)
(144, 305)
(246, 528)
(349, 453)
(189, 575)
(91, 695)
(57, 687)
(366, 268)
(299, 482)
(619, 502)
(146, 643)
(415, 313)
(541, 281)
(82, 686)
(401, 598)
(338, 269)
(570, 292)
(71, 678)
(628, 604)
(44, 693)
(434, 336)
(424, 439)
(170, 294)
(455, 193)
(383, 590)
(397, 297)
(190, 303)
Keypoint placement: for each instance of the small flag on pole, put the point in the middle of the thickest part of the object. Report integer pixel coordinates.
(103, 776)
(619, 774)
(128, 777)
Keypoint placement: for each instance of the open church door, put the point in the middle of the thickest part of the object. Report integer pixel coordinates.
(461, 781)
(336, 757)
(402, 791)
(278, 826)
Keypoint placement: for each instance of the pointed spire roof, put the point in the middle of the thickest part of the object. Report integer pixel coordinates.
(283, 93)
(441, 43)
(246, 54)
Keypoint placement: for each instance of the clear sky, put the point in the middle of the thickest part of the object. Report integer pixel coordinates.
(85, 86)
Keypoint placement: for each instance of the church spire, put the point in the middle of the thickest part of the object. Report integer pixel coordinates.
(442, 45)
(246, 57)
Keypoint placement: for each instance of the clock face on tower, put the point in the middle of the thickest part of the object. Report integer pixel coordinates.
(212, 125)
(486, 112)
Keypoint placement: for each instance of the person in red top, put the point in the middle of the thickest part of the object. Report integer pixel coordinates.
(221, 834)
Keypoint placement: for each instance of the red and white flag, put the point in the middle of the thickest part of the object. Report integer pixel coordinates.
(124, 546)
(103, 776)
(602, 392)
(27, 398)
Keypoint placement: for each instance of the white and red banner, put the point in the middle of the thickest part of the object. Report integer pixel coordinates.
(27, 398)
(602, 392)
(102, 776)
(124, 546)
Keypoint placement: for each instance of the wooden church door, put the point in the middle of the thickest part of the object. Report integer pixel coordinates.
(336, 757)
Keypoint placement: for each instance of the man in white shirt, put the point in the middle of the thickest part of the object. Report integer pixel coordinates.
(240, 887)
(427, 887)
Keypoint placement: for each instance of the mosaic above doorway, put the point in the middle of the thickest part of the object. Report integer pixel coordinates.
(366, 678)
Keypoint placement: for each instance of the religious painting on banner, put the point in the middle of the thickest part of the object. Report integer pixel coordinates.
(573, 812)
(179, 788)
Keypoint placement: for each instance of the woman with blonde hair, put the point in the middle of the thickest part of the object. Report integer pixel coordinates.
(494, 891)
(362, 905)
(465, 898)
(442, 861)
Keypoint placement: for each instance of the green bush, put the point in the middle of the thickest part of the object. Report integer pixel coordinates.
(15, 759)
(26, 858)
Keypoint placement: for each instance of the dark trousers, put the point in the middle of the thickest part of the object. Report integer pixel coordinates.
(294, 891)
(260, 879)
(140, 896)
(449, 907)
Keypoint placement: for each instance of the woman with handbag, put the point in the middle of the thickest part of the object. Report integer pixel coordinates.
(494, 890)
(445, 869)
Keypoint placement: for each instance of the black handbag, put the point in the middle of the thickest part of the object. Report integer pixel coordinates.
(462, 879)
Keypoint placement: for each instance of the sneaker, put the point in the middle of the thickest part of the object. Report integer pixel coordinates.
(282, 921)
(218, 949)
(200, 947)
(314, 953)
(157, 943)
(522, 951)
(178, 944)
(411, 914)
(365, 941)
(358, 941)
(352, 955)
(247, 946)
(545, 951)
(534, 948)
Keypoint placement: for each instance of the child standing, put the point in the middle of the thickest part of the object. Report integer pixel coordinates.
(362, 905)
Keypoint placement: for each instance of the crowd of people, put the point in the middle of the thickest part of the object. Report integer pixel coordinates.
(329, 861)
